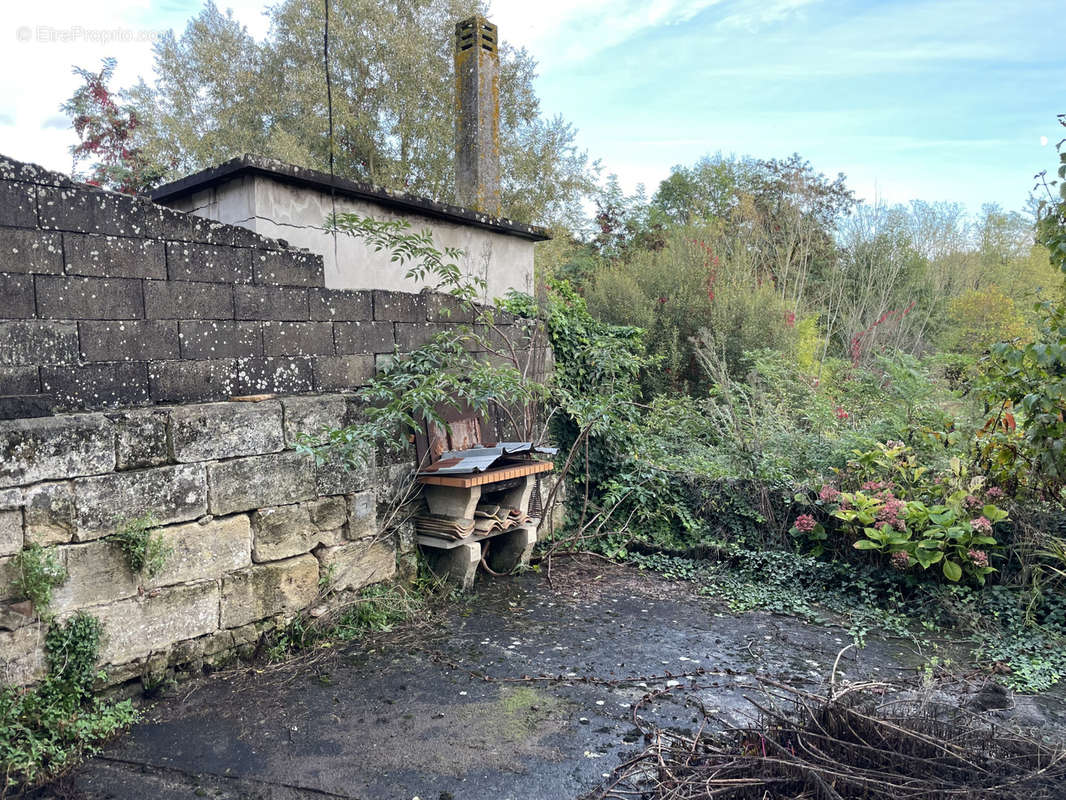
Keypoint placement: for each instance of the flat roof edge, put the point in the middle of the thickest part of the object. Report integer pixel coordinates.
(320, 181)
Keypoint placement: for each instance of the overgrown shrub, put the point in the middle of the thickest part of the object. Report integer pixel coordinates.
(37, 572)
(142, 545)
(47, 729)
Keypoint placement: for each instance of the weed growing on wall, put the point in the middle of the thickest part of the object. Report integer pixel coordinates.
(143, 546)
(47, 729)
(37, 572)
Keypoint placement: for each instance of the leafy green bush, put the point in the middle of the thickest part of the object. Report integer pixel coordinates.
(37, 573)
(143, 546)
(47, 729)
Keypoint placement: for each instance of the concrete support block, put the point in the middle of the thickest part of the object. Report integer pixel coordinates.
(46, 448)
(457, 565)
(170, 494)
(225, 430)
(358, 564)
(511, 549)
(281, 587)
(518, 497)
(452, 501)
(140, 625)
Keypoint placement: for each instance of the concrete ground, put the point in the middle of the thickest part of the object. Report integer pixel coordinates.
(410, 715)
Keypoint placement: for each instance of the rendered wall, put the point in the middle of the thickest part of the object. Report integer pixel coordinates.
(296, 214)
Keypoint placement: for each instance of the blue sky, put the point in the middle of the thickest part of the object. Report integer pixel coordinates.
(934, 99)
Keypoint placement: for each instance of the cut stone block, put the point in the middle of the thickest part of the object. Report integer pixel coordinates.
(457, 565)
(353, 566)
(170, 494)
(140, 625)
(209, 550)
(335, 476)
(362, 515)
(10, 531)
(22, 658)
(260, 481)
(282, 532)
(281, 587)
(96, 573)
(141, 438)
(49, 512)
(45, 448)
(328, 513)
(7, 580)
(224, 430)
(311, 414)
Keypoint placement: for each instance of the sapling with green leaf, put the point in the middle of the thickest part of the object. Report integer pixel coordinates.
(144, 547)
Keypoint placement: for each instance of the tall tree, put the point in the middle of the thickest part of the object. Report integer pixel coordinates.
(220, 93)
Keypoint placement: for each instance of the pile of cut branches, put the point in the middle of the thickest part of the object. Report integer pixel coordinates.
(851, 743)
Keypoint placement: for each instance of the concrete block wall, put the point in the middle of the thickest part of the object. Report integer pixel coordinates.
(252, 526)
(111, 301)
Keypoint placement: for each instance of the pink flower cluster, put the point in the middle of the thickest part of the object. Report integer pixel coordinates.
(901, 560)
(888, 514)
(805, 523)
(972, 502)
(995, 493)
(981, 525)
(978, 557)
(841, 413)
(828, 494)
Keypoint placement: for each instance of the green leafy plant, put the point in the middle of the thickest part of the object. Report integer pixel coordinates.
(47, 729)
(37, 572)
(143, 546)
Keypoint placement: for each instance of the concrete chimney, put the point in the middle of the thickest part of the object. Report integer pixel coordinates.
(477, 124)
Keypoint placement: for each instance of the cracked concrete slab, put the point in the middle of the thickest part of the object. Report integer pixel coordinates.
(415, 716)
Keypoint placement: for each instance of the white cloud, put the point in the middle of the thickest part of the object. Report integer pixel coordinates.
(559, 31)
(40, 43)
